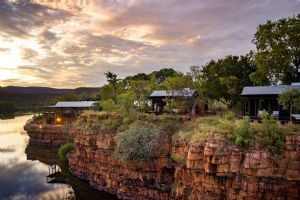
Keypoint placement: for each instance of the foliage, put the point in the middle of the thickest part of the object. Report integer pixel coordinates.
(272, 136)
(65, 149)
(178, 82)
(141, 89)
(278, 53)
(126, 102)
(224, 79)
(243, 135)
(108, 105)
(140, 142)
(112, 80)
(229, 115)
(163, 74)
(290, 100)
(97, 106)
(7, 110)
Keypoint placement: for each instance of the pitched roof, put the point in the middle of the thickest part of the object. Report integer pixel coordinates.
(73, 104)
(268, 90)
(186, 92)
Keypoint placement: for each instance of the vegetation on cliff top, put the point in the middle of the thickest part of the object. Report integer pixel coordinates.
(141, 142)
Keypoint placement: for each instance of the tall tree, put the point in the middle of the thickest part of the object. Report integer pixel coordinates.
(112, 80)
(224, 79)
(290, 100)
(278, 51)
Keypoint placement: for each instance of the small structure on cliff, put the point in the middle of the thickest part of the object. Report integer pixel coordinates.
(255, 99)
(185, 100)
(65, 111)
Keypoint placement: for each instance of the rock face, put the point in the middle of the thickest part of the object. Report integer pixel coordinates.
(93, 160)
(208, 170)
(45, 134)
(219, 170)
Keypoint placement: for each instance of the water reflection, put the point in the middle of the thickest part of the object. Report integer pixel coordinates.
(29, 171)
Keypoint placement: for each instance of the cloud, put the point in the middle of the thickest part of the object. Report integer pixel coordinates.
(72, 43)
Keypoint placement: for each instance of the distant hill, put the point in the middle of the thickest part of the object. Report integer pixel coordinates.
(34, 98)
(34, 90)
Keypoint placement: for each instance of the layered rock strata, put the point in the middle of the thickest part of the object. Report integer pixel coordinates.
(46, 134)
(207, 170)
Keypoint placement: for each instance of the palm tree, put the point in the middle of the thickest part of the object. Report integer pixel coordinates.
(112, 80)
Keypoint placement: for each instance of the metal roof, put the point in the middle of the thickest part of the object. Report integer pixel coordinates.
(73, 104)
(268, 90)
(186, 92)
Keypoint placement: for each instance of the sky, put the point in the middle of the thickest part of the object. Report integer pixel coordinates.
(72, 43)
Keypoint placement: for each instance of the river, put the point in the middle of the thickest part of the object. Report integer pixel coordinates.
(32, 172)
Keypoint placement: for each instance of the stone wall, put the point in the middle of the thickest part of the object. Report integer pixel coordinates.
(46, 134)
(210, 170)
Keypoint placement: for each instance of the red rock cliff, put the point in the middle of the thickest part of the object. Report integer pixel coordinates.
(210, 170)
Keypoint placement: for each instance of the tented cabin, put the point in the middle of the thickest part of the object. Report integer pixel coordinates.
(256, 99)
(161, 100)
(66, 111)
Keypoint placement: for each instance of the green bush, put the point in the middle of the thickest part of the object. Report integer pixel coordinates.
(140, 142)
(108, 105)
(65, 149)
(272, 136)
(229, 115)
(243, 135)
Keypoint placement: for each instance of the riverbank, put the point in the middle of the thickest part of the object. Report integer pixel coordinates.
(25, 169)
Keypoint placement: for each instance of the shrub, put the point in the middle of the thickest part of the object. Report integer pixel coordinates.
(65, 149)
(243, 135)
(111, 124)
(140, 142)
(272, 136)
(108, 105)
(229, 115)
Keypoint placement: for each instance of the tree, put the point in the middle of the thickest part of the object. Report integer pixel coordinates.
(290, 100)
(278, 52)
(180, 84)
(141, 89)
(126, 101)
(224, 79)
(108, 105)
(112, 80)
(163, 74)
(7, 110)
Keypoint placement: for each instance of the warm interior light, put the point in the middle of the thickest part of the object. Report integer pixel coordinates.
(58, 120)
(40, 126)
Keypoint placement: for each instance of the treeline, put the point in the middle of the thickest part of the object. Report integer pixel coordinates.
(275, 61)
(7, 110)
(33, 99)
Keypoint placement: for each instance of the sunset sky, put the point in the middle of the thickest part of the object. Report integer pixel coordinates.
(71, 43)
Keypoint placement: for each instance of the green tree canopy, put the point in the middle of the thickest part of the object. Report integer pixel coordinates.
(290, 100)
(108, 105)
(278, 51)
(224, 79)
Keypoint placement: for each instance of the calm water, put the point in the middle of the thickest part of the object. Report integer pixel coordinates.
(34, 172)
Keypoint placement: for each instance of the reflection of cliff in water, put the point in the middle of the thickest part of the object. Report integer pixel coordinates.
(59, 173)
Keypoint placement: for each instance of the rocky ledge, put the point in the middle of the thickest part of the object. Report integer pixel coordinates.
(207, 170)
(46, 134)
